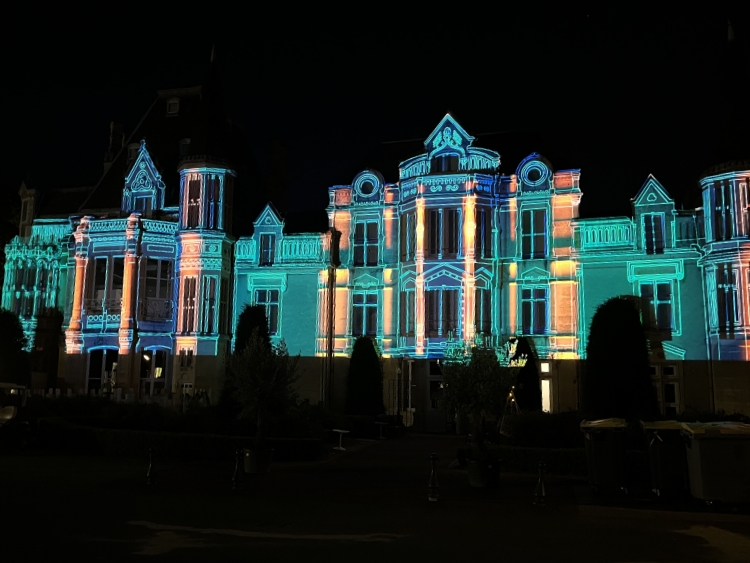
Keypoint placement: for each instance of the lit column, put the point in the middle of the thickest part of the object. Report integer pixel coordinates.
(73, 335)
(470, 226)
(129, 286)
(419, 261)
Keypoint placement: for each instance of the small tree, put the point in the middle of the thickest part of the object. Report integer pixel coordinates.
(263, 378)
(364, 384)
(252, 317)
(15, 365)
(528, 392)
(617, 382)
(477, 384)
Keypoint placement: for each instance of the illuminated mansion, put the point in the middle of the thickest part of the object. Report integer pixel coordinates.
(150, 285)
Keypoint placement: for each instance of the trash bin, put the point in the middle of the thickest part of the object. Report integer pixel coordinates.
(666, 455)
(718, 459)
(605, 453)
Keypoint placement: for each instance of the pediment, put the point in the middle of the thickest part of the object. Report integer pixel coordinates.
(448, 136)
(143, 176)
(444, 275)
(652, 193)
(269, 217)
(534, 273)
(366, 281)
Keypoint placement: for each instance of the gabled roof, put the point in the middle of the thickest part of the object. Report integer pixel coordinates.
(448, 133)
(652, 193)
(200, 119)
(269, 217)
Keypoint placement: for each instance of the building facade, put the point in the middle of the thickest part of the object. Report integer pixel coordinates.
(450, 250)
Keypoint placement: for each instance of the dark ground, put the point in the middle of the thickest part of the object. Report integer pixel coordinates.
(366, 504)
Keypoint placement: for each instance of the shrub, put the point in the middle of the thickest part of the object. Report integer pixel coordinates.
(616, 380)
(364, 383)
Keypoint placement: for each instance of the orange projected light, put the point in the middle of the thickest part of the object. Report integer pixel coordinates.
(470, 227)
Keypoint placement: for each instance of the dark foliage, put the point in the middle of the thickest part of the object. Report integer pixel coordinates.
(15, 363)
(263, 380)
(528, 390)
(616, 380)
(252, 317)
(364, 384)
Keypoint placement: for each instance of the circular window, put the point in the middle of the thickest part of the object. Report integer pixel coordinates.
(367, 187)
(534, 174)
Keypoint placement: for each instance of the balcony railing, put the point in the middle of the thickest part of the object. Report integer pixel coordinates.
(155, 309)
(614, 234)
(301, 249)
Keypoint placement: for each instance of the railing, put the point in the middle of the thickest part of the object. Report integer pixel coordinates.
(101, 305)
(156, 226)
(108, 225)
(301, 248)
(612, 234)
(245, 249)
(155, 309)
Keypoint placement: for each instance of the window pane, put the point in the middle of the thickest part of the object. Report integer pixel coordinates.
(540, 317)
(372, 321)
(372, 255)
(359, 298)
(260, 296)
(539, 221)
(664, 316)
(357, 321)
(525, 294)
(663, 291)
(273, 319)
(372, 232)
(372, 299)
(540, 293)
(526, 317)
(359, 232)
(359, 255)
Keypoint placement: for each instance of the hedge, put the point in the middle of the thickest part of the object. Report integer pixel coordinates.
(62, 434)
(560, 461)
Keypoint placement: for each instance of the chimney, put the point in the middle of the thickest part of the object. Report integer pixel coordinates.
(116, 142)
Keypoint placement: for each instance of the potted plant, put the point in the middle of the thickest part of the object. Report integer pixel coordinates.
(476, 383)
(262, 376)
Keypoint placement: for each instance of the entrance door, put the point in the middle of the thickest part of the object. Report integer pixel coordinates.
(102, 372)
(153, 372)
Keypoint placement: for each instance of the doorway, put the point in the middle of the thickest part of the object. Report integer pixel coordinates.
(102, 370)
(153, 372)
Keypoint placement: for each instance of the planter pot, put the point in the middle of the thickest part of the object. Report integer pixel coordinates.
(483, 473)
(258, 460)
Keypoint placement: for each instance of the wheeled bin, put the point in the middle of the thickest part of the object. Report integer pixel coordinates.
(605, 454)
(718, 460)
(667, 458)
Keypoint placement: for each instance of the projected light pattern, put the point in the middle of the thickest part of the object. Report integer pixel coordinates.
(452, 253)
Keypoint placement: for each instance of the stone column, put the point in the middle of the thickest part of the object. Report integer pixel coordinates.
(73, 335)
(129, 286)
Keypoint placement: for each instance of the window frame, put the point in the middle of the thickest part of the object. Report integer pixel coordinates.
(272, 307)
(534, 300)
(531, 234)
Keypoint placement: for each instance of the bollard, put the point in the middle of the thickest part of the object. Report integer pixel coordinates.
(151, 473)
(539, 492)
(238, 463)
(433, 485)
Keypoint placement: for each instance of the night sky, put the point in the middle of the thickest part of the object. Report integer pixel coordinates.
(617, 94)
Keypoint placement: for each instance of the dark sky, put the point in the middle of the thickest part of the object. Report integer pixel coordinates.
(617, 94)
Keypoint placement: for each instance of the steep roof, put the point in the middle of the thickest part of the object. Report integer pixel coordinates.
(199, 119)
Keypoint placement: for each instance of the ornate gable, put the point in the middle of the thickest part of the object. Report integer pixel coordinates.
(268, 219)
(144, 188)
(652, 193)
(448, 136)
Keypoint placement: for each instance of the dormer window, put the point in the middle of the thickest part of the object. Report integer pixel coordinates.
(173, 107)
(184, 148)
